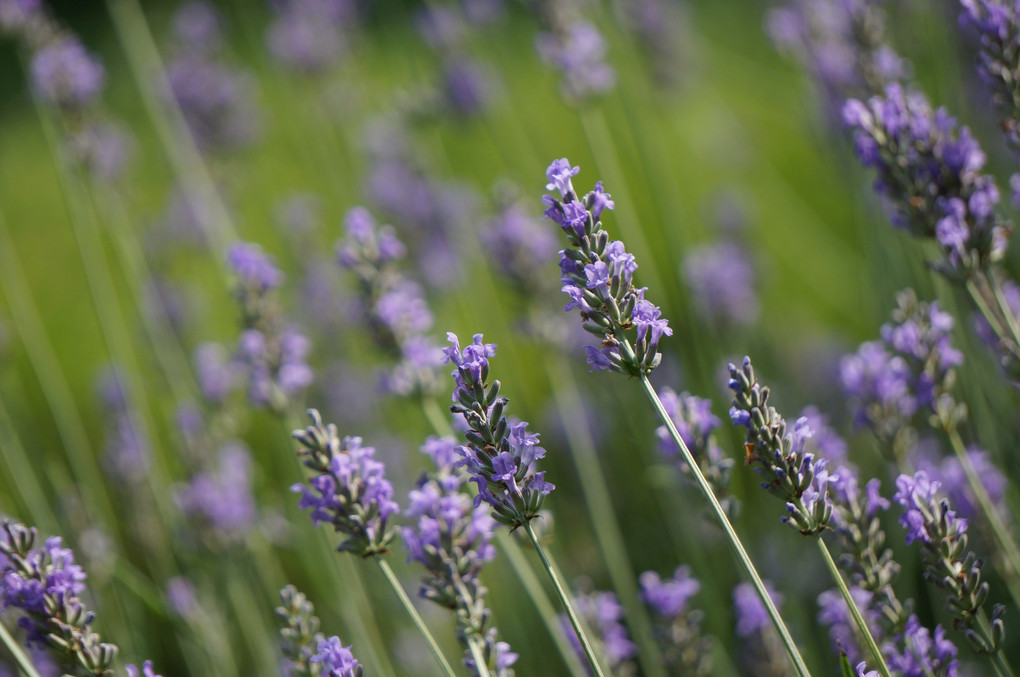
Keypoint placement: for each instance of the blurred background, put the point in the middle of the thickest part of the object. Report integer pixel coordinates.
(725, 159)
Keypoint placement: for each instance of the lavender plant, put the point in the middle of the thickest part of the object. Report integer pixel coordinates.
(348, 490)
(678, 632)
(597, 275)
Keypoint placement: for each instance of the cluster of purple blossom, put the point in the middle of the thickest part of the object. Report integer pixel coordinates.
(576, 48)
(841, 41)
(597, 276)
(309, 652)
(215, 98)
(694, 420)
(393, 306)
(348, 488)
(270, 353)
(997, 23)
(127, 454)
(909, 370)
(787, 470)
(45, 584)
(310, 38)
(929, 172)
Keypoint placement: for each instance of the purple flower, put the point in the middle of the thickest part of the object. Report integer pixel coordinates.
(253, 267)
(722, 279)
(604, 615)
(917, 654)
(597, 275)
(348, 488)
(786, 469)
(928, 171)
(669, 598)
(835, 615)
(303, 38)
(147, 670)
(920, 497)
(218, 102)
(197, 27)
(335, 659)
(15, 15)
(222, 499)
(500, 454)
(180, 595)
(66, 75)
(579, 53)
(559, 173)
(752, 617)
(842, 43)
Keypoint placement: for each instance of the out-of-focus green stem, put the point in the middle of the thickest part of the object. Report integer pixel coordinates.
(731, 536)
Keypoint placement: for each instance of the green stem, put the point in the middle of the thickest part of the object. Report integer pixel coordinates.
(413, 613)
(862, 626)
(478, 654)
(189, 167)
(731, 535)
(19, 656)
(561, 592)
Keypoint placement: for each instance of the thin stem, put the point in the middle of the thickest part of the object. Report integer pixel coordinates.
(481, 665)
(19, 656)
(731, 535)
(862, 626)
(561, 592)
(147, 69)
(413, 613)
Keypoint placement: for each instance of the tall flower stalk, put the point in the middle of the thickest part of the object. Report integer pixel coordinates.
(500, 457)
(348, 490)
(597, 275)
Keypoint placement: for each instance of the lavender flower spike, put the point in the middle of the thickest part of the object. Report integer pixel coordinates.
(336, 660)
(929, 519)
(45, 584)
(788, 472)
(499, 455)
(929, 171)
(348, 488)
(597, 276)
(300, 635)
